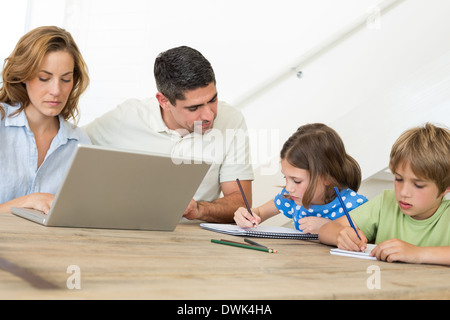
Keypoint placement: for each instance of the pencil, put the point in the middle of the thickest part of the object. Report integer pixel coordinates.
(246, 244)
(232, 241)
(345, 211)
(245, 199)
(254, 243)
(239, 245)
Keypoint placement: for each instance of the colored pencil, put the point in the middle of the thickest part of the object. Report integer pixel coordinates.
(245, 199)
(232, 241)
(245, 244)
(346, 211)
(254, 243)
(239, 245)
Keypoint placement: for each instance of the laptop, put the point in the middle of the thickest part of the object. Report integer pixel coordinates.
(108, 188)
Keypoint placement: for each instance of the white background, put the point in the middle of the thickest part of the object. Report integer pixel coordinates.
(390, 75)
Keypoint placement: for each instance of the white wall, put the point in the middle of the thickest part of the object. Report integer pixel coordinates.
(246, 41)
(370, 88)
(390, 75)
(12, 26)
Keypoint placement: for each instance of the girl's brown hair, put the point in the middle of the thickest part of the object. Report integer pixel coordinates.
(24, 62)
(319, 149)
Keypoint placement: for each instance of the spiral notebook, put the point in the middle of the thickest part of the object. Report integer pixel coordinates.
(259, 232)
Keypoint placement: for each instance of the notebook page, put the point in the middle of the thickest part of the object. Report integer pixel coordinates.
(361, 255)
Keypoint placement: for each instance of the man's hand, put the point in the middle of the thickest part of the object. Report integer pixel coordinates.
(192, 211)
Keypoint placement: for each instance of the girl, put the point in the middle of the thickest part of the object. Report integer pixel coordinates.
(43, 80)
(313, 161)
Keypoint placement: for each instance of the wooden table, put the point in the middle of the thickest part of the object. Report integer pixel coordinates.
(184, 264)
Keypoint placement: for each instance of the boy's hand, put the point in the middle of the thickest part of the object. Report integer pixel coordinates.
(396, 250)
(348, 240)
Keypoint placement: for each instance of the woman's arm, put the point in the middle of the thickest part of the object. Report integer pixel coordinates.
(38, 201)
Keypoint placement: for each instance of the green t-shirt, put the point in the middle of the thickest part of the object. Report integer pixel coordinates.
(381, 219)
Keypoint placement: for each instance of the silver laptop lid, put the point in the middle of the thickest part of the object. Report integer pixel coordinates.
(118, 189)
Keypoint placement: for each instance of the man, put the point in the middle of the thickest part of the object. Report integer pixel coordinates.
(185, 119)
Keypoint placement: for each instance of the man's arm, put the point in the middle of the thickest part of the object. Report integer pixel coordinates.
(221, 210)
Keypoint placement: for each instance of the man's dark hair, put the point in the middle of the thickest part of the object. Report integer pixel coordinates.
(182, 69)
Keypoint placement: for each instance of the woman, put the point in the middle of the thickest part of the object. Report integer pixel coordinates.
(43, 80)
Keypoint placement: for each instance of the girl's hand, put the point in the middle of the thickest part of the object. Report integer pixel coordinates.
(312, 224)
(245, 220)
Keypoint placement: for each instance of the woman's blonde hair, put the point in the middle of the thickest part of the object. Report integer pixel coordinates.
(427, 150)
(319, 149)
(24, 62)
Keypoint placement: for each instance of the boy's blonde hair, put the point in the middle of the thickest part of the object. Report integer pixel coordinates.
(427, 150)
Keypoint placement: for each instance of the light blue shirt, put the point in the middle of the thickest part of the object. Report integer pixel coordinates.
(19, 174)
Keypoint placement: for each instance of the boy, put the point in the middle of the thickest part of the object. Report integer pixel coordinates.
(412, 223)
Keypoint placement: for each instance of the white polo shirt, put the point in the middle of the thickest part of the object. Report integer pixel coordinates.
(138, 125)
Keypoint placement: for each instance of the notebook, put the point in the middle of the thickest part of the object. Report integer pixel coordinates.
(117, 189)
(362, 255)
(260, 231)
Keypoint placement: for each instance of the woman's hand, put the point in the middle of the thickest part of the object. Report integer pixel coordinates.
(39, 201)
